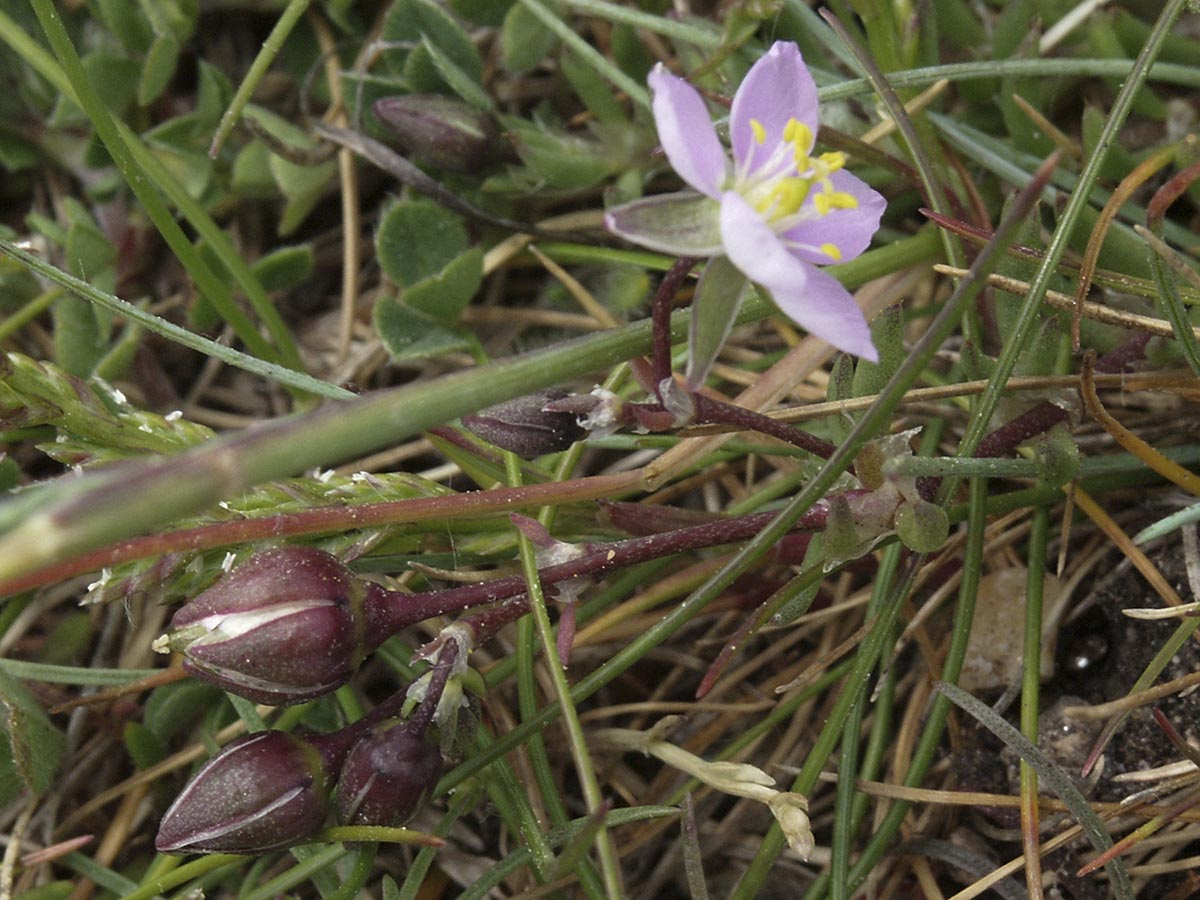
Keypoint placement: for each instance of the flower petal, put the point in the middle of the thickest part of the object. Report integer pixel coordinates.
(812, 299)
(683, 224)
(848, 230)
(686, 132)
(777, 88)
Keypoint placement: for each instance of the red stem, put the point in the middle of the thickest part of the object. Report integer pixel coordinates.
(388, 611)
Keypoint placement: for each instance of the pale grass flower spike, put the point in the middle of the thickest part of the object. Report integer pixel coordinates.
(775, 210)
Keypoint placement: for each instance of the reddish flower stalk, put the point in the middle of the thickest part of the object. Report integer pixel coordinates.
(715, 412)
(660, 317)
(1034, 421)
(597, 559)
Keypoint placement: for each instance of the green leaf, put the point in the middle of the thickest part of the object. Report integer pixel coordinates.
(78, 341)
(887, 333)
(418, 21)
(410, 335)
(251, 177)
(630, 53)
(128, 25)
(959, 24)
(417, 239)
(10, 474)
(1117, 160)
(171, 708)
(303, 186)
(1037, 358)
(142, 746)
(90, 254)
(1012, 28)
(719, 296)
(32, 746)
(212, 96)
(1103, 43)
(283, 269)
(524, 40)
(482, 12)
(597, 95)
(16, 153)
(445, 295)
(567, 161)
(189, 166)
(115, 77)
(460, 82)
(158, 69)
(68, 639)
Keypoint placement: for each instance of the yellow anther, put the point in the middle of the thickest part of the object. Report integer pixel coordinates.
(843, 200)
(799, 136)
(833, 161)
(832, 252)
(760, 133)
(787, 195)
(829, 200)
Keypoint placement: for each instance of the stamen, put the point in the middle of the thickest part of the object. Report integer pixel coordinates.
(760, 133)
(829, 200)
(832, 251)
(785, 198)
(799, 136)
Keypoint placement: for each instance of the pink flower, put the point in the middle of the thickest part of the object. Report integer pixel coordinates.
(776, 211)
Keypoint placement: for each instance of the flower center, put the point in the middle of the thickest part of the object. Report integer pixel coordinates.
(779, 187)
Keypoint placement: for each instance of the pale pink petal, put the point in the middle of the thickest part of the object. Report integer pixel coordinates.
(686, 132)
(812, 299)
(849, 230)
(777, 88)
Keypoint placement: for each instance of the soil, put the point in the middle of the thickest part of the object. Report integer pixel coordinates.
(1101, 653)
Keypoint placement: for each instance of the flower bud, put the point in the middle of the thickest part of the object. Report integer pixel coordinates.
(443, 131)
(265, 791)
(525, 427)
(387, 776)
(285, 626)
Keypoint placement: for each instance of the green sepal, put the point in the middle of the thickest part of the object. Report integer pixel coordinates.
(922, 526)
(719, 296)
(684, 224)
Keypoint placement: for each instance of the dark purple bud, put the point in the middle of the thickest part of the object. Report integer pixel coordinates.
(526, 427)
(265, 791)
(392, 768)
(443, 131)
(387, 776)
(285, 626)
